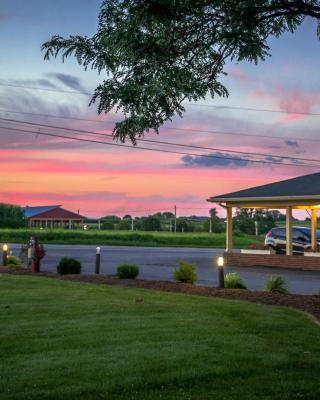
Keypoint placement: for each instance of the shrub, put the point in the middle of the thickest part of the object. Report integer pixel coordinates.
(68, 266)
(14, 262)
(276, 284)
(107, 225)
(127, 271)
(186, 272)
(124, 225)
(233, 281)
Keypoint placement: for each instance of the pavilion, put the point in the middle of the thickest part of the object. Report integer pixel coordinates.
(302, 192)
(52, 217)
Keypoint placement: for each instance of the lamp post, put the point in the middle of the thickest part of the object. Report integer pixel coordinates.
(97, 266)
(5, 249)
(220, 263)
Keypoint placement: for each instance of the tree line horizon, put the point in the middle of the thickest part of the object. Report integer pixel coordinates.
(244, 220)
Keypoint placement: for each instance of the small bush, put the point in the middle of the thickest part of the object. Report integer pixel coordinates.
(233, 281)
(276, 284)
(14, 262)
(68, 266)
(127, 271)
(186, 272)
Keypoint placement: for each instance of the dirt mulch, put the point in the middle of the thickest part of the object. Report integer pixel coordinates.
(306, 303)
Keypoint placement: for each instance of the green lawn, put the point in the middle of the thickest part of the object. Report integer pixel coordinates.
(125, 238)
(67, 340)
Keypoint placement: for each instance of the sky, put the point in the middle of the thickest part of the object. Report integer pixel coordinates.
(100, 179)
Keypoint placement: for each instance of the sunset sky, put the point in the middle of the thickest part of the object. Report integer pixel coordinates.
(100, 179)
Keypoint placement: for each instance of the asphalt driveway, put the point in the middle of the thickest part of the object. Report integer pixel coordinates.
(159, 263)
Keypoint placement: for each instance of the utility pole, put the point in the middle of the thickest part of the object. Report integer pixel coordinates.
(175, 218)
(99, 224)
(132, 227)
(210, 225)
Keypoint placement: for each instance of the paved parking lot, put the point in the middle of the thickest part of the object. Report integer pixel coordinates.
(160, 262)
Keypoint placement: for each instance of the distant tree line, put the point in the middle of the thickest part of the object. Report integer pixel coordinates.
(244, 220)
(11, 216)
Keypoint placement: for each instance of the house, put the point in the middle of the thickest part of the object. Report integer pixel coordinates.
(52, 217)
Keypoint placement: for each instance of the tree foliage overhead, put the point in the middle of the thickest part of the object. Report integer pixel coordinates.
(155, 54)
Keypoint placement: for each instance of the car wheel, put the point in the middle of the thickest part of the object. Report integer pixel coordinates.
(271, 248)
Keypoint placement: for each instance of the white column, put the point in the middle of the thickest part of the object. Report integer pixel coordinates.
(229, 231)
(289, 231)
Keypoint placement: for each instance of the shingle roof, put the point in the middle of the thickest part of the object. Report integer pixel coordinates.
(59, 214)
(30, 212)
(306, 185)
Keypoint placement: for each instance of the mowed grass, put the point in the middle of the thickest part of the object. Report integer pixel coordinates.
(67, 340)
(126, 238)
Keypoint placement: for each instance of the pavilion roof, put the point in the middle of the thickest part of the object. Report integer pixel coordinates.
(30, 212)
(306, 187)
(51, 212)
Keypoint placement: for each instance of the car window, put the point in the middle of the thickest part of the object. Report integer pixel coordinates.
(306, 231)
(281, 232)
(297, 234)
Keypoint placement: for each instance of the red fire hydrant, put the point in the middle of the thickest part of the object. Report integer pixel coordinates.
(37, 253)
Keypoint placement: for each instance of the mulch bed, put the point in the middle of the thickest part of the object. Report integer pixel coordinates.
(306, 303)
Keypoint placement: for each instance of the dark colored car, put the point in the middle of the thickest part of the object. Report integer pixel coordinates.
(301, 239)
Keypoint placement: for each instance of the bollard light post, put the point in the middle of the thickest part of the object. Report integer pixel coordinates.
(220, 263)
(97, 268)
(5, 249)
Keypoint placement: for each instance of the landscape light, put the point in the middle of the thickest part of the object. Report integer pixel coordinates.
(4, 254)
(97, 266)
(220, 262)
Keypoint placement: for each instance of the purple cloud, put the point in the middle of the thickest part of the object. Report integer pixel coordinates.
(216, 159)
(68, 80)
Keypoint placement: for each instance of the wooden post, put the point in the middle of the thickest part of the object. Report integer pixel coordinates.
(289, 231)
(314, 221)
(229, 230)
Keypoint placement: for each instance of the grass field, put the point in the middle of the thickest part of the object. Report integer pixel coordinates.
(125, 238)
(67, 340)
(298, 223)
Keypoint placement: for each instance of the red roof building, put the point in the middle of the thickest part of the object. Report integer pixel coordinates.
(52, 217)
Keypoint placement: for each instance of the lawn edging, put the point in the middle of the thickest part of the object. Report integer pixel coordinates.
(309, 304)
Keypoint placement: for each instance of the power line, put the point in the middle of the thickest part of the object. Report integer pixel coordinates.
(56, 116)
(157, 150)
(268, 110)
(134, 211)
(192, 104)
(216, 132)
(44, 89)
(160, 142)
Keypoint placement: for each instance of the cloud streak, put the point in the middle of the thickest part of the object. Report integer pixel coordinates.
(68, 80)
(292, 143)
(216, 159)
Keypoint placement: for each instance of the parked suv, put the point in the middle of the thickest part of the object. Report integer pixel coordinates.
(301, 239)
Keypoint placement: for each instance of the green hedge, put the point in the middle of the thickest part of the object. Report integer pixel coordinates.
(124, 238)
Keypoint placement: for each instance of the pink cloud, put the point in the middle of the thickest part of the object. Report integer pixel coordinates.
(239, 75)
(291, 101)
